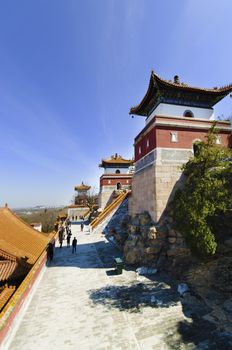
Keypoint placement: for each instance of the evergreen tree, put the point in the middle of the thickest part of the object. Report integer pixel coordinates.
(207, 192)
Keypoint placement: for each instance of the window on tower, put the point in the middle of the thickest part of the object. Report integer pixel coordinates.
(174, 137)
(218, 140)
(117, 171)
(188, 114)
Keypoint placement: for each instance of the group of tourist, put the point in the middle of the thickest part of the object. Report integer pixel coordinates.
(61, 234)
(64, 232)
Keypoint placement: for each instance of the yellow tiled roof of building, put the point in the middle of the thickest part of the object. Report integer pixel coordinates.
(7, 267)
(19, 238)
(82, 187)
(5, 295)
(116, 159)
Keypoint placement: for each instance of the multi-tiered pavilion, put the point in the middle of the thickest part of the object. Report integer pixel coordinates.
(117, 177)
(176, 116)
(78, 210)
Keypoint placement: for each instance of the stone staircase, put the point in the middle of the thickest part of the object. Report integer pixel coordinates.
(113, 217)
(108, 210)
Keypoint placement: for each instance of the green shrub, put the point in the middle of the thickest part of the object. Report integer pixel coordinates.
(206, 193)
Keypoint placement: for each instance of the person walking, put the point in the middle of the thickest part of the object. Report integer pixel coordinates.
(53, 241)
(67, 230)
(61, 237)
(69, 234)
(82, 226)
(50, 251)
(74, 245)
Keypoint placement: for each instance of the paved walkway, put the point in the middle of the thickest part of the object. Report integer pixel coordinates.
(80, 304)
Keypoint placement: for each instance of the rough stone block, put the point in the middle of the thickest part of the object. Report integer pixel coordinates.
(153, 250)
(172, 240)
(177, 252)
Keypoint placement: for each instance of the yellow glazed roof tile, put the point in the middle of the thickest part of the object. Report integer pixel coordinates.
(19, 238)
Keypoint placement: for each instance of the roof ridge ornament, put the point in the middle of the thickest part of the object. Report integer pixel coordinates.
(116, 156)
(176, 79)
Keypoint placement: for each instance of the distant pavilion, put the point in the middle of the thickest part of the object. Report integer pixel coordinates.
(117, 177)
(77, 211)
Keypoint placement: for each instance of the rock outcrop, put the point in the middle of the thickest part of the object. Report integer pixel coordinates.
(143, 241)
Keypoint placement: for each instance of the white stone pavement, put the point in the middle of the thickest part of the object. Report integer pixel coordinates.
(77, 305)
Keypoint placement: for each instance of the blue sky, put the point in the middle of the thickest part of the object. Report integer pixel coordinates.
(70, 70)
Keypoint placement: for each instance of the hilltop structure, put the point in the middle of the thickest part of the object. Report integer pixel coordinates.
(77, 210)
(117, 177)
(177, 115)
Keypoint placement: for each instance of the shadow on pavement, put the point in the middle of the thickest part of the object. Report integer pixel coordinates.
(158, 292)
(134, 297)
(195, 332)
(204, 334)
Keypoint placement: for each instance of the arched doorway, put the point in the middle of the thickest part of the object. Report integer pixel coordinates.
(119, 186)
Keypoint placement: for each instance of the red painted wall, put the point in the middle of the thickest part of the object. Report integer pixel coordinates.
(114, 181)
(160, 136)
(142, 143)
(185, 137)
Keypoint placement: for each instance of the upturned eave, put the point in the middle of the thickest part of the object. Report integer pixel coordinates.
(157, 86)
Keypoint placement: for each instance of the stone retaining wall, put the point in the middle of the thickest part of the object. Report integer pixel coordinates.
(145, 242)
(154, 184)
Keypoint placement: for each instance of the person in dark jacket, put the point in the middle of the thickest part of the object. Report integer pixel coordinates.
(50, 251)
(74, 245)
(61, 237)
(69, 237)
